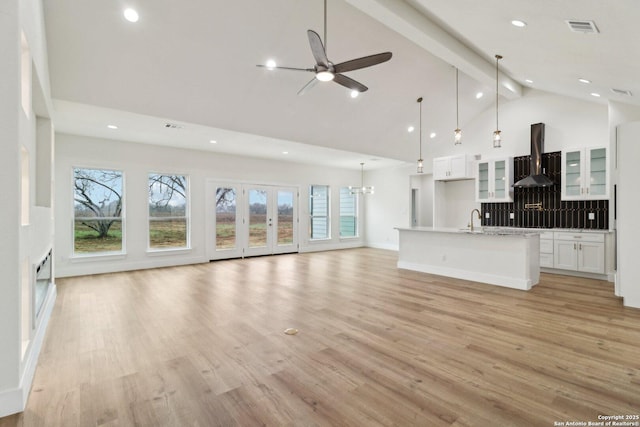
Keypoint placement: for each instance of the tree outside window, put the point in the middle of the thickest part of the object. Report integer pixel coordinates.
(168, 211)
(98, 211)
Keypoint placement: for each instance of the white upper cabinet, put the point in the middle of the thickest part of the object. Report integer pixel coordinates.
(585, 174)
(494, 180)
(451, 168)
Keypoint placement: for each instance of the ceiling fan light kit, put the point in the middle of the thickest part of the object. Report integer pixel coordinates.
(326, 70)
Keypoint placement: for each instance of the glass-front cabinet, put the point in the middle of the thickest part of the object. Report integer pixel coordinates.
(494, 180)
(585, 174)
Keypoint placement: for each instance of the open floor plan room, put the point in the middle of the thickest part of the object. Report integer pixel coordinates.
(204, 345)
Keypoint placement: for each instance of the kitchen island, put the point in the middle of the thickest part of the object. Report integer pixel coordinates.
(504, 258)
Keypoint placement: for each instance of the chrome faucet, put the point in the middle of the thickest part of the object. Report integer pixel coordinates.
(479, 217)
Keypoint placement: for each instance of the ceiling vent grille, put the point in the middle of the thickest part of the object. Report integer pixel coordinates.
(621, 92)
(583, 26)
(173, 126)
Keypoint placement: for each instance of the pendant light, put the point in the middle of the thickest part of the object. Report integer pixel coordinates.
(362, 189)
(420, 161)
(457, 134)
(497, 139)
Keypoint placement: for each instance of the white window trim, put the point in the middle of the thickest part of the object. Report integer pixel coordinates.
(104, 254)
(328, 216)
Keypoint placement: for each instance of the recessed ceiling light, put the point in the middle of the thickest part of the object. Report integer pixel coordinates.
(597, 95)
(432, 135)
(131, 15)
(285, 152)
(518, 23)
(213, 141)
(410, 129)
(529, 81)
(271, 64)
(354, 93)
(479, 95)
(112, 126)
(585, 81)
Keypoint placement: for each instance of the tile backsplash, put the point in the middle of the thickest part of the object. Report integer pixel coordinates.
(555, 213)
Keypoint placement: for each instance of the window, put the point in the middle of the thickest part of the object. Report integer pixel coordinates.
(348, 213)
(319, 212)
(226, 199)
(98, 211)
(168, 211)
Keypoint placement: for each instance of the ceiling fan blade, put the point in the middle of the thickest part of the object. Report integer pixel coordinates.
(308, 86)
(365, 61)
(317, 49)
(349, 83)
(285, 68)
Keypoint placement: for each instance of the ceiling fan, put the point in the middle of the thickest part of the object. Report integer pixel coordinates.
(326, 70)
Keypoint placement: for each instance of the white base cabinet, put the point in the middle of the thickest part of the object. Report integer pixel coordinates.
(546, 249)
(583, 252)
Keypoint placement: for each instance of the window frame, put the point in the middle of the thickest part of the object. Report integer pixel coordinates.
(123, 214)
(327, 216)
(187, 216)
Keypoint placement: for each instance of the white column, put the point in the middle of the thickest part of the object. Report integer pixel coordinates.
(10, 105)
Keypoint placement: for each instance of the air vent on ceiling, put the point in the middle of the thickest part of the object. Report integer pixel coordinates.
(621, 92)
(583, 26)
(173, 126)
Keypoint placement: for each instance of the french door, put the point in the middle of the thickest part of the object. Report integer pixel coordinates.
(251, 220)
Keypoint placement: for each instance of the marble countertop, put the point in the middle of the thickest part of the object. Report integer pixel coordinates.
(486, 231)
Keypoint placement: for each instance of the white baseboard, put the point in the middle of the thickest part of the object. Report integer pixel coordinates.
(322, 246)
(387, 246)
(14, 400)
(98, 266)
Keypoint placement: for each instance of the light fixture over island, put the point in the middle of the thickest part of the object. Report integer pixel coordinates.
(503, 258)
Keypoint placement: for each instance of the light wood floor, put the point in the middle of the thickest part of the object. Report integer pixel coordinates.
(204, 345)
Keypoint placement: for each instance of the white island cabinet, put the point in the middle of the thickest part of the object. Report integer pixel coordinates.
(510, 259)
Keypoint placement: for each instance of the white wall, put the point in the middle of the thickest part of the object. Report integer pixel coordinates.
(628, 232)
(137, 160)
(569, 123)
(27, 231)
(457, 200)
(389, 207)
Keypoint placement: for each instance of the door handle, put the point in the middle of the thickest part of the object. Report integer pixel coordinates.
(574, 246)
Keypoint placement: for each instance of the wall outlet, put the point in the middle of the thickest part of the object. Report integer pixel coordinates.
(487, 215)
(512, 215)
(592, 216)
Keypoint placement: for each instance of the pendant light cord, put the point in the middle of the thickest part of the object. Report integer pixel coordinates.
(457, 108)
(420, 102)
(498, 58)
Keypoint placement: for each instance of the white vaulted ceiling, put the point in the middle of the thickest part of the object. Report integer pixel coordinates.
(193, 63)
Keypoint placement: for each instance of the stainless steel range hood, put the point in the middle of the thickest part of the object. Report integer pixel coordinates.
(536, 177)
